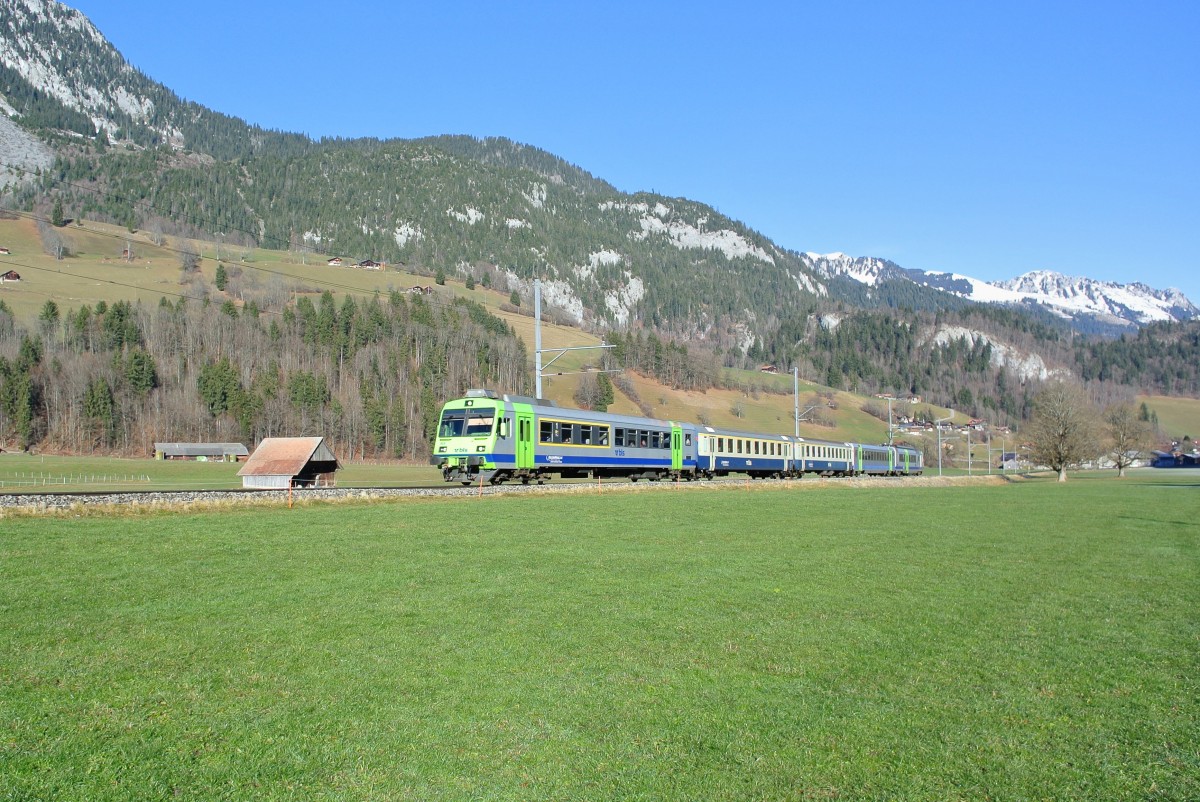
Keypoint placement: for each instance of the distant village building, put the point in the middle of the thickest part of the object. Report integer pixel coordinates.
(222, 452)
(5, 252)
(370, 264)
(335, 262)
(1175, 459)
(11, 275)
(282, 462)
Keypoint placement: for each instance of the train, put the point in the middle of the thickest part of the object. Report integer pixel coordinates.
(489, 437)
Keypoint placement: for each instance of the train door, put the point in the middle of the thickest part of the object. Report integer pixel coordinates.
(524, 440)
(676, 448)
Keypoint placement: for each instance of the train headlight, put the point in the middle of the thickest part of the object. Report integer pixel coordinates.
(480, 449)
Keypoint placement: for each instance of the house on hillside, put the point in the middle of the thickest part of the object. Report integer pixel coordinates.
(5, 252)
(11, 275)
(335, 262)
(282, 462)
(370, 264)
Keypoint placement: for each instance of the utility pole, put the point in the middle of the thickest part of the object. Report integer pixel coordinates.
(796, 397)
(938, 423)
(890, 433)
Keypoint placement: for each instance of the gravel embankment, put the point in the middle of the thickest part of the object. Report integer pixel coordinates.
(50, 502)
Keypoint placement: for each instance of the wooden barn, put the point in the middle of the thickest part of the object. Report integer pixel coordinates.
(282, 462)
(220, 452)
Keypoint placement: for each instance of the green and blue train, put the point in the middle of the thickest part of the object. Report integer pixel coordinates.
(486, 437)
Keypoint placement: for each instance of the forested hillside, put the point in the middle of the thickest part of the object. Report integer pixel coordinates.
(368, 376)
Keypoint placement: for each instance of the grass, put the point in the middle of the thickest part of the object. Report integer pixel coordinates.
(37, 473)
(1010, 641)
(1176, 416)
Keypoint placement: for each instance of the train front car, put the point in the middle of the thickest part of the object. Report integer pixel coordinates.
(474, 441)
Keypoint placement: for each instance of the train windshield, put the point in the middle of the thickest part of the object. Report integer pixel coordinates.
(467, 422)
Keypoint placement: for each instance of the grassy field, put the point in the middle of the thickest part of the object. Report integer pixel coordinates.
(36, 473)
(1002, 641)
(1176, 416)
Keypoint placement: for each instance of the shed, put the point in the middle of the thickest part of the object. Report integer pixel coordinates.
(226, 452)
(282, 462)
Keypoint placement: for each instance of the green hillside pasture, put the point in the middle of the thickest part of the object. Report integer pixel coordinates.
(1001, 641)
(1177, 417)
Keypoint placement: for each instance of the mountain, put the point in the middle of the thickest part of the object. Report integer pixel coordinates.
(85, 132)
(1088, 304)
(128, 150)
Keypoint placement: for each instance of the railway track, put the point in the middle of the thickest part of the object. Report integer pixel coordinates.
(185, 498)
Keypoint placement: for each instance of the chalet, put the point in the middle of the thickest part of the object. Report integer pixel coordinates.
(283, 462)
(5, 252)
(202, 452)
(335, 262)
(1175, 459)
(11, 275)
(370, 264)
(767, 369)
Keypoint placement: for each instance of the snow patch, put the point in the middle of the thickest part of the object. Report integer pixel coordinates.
(471, 216)
(406, 233)
(513, 222)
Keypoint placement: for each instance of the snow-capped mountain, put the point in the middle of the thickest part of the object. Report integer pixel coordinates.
(1078, 299)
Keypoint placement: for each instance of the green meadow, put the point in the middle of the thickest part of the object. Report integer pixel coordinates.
(37, 473)
(1006, 640)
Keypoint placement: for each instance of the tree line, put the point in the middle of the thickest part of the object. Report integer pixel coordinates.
(369, 375)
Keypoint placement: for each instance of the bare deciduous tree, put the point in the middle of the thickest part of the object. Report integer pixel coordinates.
(1063, 431)
(52, 241)
(189, 259)
(1128, 435)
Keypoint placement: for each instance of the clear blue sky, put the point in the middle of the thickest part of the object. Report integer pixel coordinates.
(983, 138)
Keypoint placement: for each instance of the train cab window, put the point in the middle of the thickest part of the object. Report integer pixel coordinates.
(453, 422)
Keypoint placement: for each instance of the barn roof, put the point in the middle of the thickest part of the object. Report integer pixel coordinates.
(286, 456)
(201, 449)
